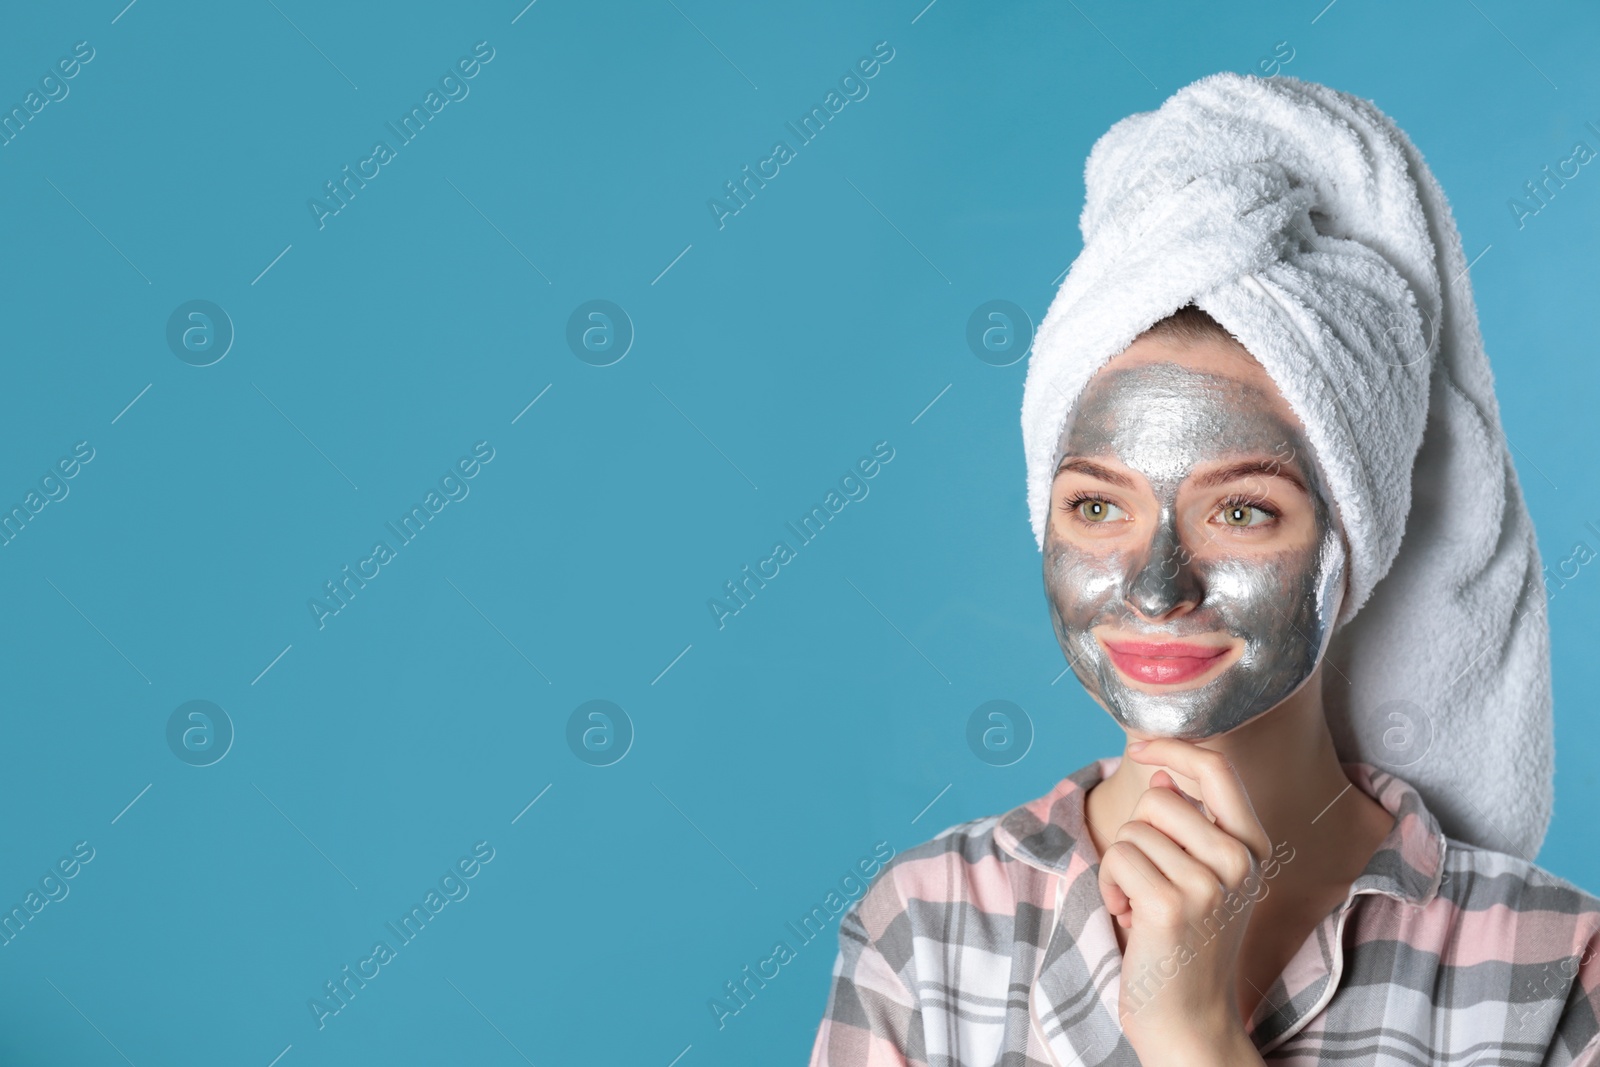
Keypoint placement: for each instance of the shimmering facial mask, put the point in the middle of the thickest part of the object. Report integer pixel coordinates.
(1162, 421)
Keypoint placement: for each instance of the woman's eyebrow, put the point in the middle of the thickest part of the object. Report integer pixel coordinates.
(1094, 470)
(1265, 468)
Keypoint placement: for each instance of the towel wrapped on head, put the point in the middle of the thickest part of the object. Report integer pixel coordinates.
(1306, 222)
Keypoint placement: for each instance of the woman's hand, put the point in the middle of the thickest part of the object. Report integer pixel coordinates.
(1183, 887)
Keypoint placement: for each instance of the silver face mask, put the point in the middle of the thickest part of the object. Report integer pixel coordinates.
(1162, 421)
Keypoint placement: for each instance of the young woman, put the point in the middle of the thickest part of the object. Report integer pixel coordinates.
(1285, 549)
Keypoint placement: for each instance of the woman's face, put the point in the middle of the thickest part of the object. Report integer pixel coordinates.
(1192, 560)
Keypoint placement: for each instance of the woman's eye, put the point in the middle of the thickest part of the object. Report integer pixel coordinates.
(1094, 510)
(1245, 515)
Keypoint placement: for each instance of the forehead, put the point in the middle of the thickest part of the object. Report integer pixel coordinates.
(1163, 418)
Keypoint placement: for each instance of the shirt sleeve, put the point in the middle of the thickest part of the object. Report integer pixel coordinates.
(1576, 1042)
(873, 1018)
(1590, 1055)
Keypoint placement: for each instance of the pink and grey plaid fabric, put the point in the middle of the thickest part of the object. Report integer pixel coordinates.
(989, 946)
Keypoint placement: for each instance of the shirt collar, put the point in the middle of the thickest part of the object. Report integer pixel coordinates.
(1074, 1000)
(1407, 865)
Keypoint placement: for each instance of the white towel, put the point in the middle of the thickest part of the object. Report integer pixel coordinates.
(1305, 221)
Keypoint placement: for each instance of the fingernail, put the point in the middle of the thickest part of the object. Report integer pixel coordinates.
(1137, 745)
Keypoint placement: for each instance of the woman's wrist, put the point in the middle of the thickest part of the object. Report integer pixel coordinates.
(1226, 1046)
(1237, 1051)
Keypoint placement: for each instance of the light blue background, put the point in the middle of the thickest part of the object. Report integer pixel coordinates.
(824, 718)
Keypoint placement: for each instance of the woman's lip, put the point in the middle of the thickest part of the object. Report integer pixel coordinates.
(1163, 662)
(1166, 649)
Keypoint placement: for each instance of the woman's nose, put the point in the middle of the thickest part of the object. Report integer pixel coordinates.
(1165, 578)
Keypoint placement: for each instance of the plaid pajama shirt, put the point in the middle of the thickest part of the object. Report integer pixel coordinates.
(990, 946)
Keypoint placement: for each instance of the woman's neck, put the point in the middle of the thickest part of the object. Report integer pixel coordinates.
(1291, 772)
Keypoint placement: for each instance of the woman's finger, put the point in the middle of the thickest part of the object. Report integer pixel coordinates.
(1165, 780)
(1116, 900)
(1199, 883)
(1228, 859)
(1220, 788)
(1152, 896)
